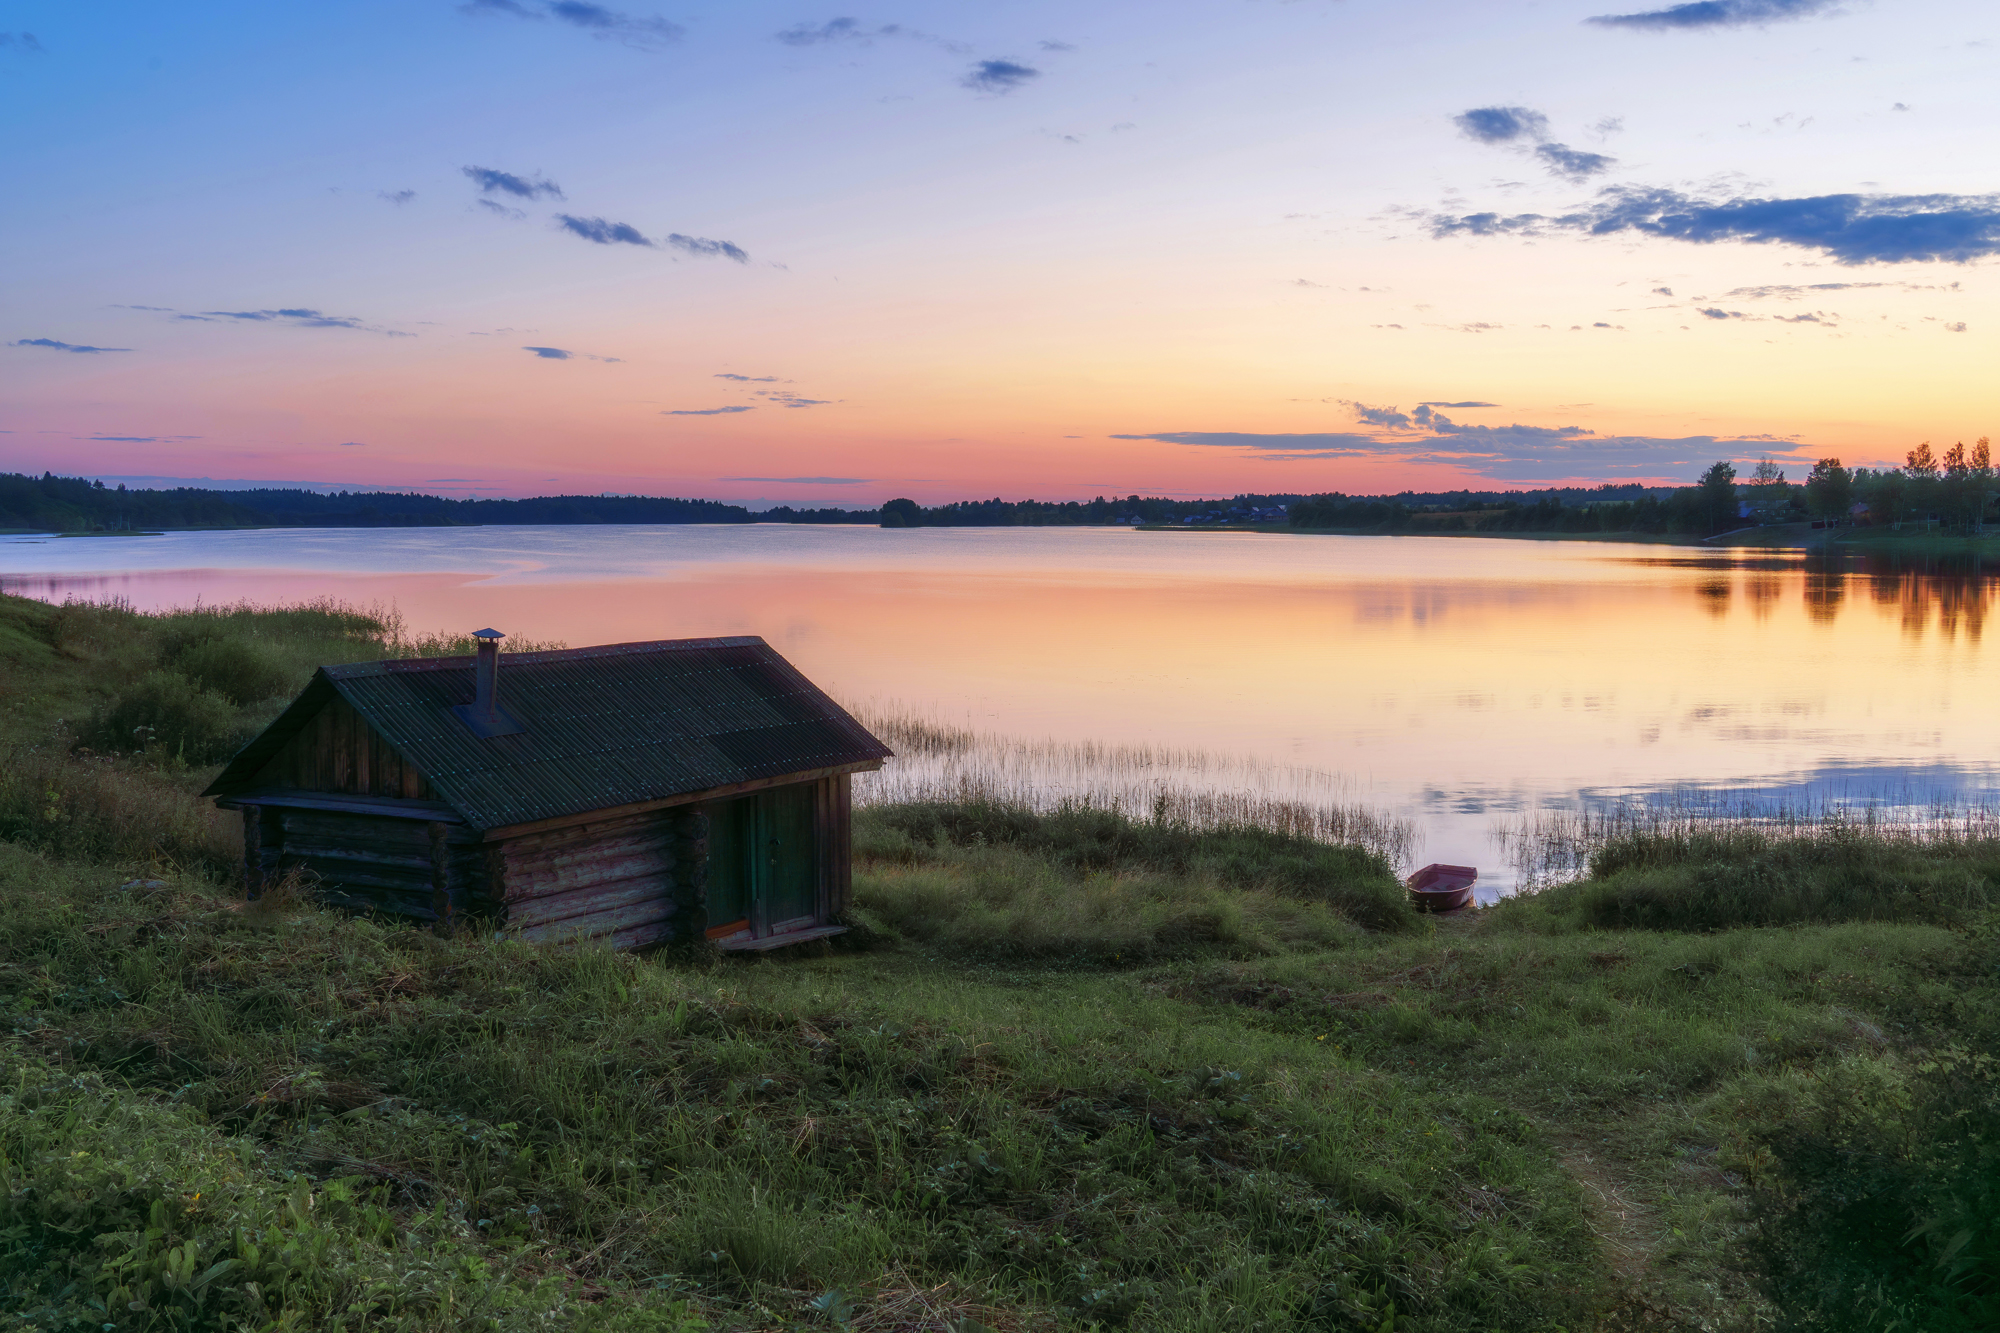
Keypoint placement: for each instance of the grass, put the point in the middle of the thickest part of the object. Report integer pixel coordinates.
(1091, 1068)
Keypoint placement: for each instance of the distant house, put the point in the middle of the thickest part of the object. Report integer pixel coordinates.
(639, 793)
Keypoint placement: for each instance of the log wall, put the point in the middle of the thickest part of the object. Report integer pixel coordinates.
(431, 872)
(615, 879)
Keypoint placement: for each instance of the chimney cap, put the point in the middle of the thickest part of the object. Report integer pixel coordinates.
(487, 634)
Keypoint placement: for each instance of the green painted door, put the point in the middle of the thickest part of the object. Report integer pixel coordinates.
(762, 863)
(786, 888)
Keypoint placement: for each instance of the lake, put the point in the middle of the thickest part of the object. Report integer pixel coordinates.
(1457, 682)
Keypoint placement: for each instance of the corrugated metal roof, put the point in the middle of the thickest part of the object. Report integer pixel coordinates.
(607, 726)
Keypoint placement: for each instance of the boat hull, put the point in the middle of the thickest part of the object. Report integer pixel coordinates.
(1442, 888)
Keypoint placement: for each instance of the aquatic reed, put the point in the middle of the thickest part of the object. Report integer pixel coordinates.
(1554, 845)
(1185, 786)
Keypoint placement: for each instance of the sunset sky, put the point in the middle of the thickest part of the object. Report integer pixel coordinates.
(769, 253)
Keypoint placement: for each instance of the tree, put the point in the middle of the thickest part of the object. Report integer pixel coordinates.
(1980, 470)
(1920, 465)
(1889, 497)
(1717, 494)
(901, 513)
(1766, 474)
(1829, 489)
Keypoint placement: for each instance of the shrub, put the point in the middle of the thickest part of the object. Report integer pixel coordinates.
(239, 671)
(1882, 1210)
(165, 712)
(1086, 840)
(1738, 876)
(95, 810)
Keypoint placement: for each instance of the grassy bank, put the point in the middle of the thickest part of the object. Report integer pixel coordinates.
(1076, 1070)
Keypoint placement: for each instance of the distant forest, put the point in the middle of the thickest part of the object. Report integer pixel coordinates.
(1953, 487)
(49, 503)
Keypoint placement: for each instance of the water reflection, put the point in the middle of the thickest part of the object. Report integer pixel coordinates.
(1448, 680)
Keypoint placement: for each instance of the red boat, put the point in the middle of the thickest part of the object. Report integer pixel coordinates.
(1442, 888)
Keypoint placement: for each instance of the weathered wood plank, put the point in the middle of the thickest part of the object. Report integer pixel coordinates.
(643, 937)
(321, 854)
(600, 923)
(534, 880)
(411, 906)
(584, 902)
(355, 871)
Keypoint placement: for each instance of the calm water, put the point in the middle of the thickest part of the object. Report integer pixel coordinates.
(1452, 680)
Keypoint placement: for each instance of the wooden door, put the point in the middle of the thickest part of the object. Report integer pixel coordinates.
(787, 887)
(763, 871)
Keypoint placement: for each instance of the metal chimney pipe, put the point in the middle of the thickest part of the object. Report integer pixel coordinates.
(486, 676)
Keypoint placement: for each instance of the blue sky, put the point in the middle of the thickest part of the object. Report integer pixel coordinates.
(978, 249)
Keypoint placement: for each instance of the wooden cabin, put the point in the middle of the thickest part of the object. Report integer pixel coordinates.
(639, 793)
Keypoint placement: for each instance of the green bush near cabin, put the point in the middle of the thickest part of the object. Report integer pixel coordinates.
(1125, 861)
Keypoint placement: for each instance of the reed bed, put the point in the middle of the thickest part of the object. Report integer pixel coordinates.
(938, 761)
(1552, 846)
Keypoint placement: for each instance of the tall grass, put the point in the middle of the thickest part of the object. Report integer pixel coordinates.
(1188, 787)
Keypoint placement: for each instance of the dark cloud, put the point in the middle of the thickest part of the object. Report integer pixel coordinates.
(490, 181)
(709, 411)
(1711, 312)
(397, 197)
(564, 354)
(1716, 14)
(645, 34)
(614, 26)
(495, 206)
(1573, 163)
(696, 245)
(1435, 404)
(1790, 292)
(1851, 228)
(352, 444)
(833, 30)
(1054, 46)
(749, 379)
(1501, 124)
(998, 76)
(1378, 416)
(55, 346)
(127, 439)
(1506, 453)
(22, 41)
(808, 481)
(601, 231)
(299, 317)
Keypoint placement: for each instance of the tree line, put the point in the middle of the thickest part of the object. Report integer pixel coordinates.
(1955, 489)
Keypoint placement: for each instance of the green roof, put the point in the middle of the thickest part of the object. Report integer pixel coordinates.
(620, 724)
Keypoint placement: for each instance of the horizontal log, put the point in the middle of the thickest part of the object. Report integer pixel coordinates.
(600, 923)
(585, 877)
(583, 902)
(585, 849)
(331, 874)
(418, 909)
(315, 849)
(361, 833)
(640, 937)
